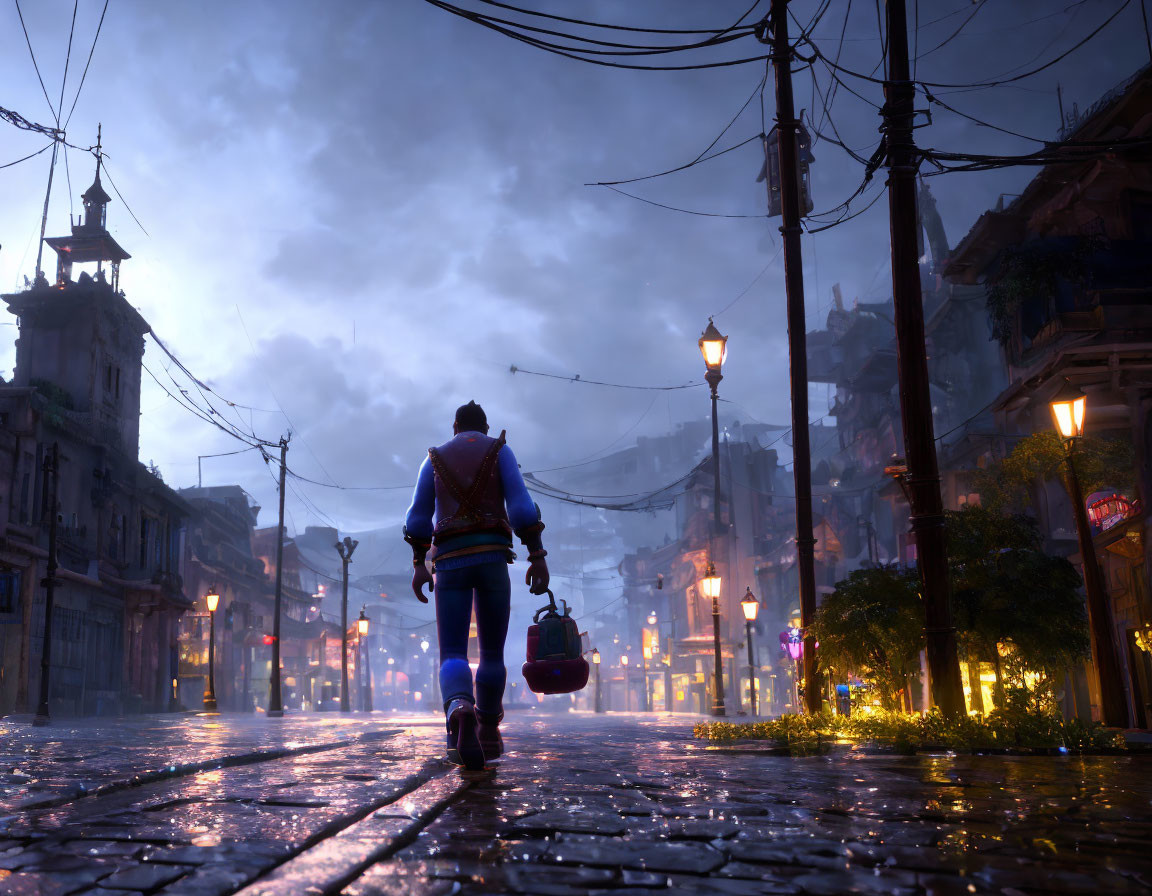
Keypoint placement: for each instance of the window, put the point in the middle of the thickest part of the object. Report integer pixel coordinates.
(9, 591)
(146, 531)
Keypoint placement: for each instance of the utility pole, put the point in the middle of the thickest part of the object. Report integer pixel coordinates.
(787, 128)
(915, 402)
(275, 702)
(52, 476)
(344, 549)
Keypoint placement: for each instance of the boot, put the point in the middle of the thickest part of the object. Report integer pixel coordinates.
(489, 734)
(464, 744)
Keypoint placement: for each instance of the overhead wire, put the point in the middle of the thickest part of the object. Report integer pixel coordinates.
(35, 64)
(514, 369)
(589, 56)
(613, 27)
(122, 199)
(30, 155)
(84, 74)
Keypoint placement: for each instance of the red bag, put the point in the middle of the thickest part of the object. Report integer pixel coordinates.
(556, 664)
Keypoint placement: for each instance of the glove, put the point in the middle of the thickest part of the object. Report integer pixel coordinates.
(537, 576)
(421, 577)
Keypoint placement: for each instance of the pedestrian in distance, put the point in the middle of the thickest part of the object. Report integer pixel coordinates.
(469, 500)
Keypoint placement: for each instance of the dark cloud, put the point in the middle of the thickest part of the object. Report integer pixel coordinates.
(389, 171)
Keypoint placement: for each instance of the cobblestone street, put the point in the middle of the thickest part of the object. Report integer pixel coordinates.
(580, 804)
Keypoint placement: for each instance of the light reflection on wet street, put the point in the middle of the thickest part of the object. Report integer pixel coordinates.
(580, 804)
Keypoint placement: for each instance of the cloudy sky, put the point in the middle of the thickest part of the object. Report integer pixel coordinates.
(360, 214)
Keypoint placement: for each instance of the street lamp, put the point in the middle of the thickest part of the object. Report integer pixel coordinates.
(624, 673)
(714, 348)
(710, 586)
(1068, 413)
(751, 607)
(213, 600)
(344, 549)
(596, 667)
(361, 632)
(646, 653)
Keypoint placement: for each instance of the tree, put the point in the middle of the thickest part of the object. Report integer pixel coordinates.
(1008, 485)
(872, 626)
(1007, 591)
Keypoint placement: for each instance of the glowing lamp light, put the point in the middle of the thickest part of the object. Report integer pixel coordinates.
(710, 584)
(424, 645)
(647, 652)
(595, 657)
(652, 618)
(269, 640)
(213, 599)
(749, 605)
(362, 622)
(714, 347)
(624, 661)
(1068, 411)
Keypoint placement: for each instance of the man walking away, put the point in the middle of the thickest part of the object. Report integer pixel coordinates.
(469, 499)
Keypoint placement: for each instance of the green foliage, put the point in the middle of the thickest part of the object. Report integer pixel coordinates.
(55, 394)
(872, 626)
(1016, 729)
(1005, 589)
(1009, 484)
(1034, 270)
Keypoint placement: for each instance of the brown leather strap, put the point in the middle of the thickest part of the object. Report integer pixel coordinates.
(466, 501)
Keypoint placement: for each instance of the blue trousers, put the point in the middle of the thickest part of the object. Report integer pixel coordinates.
(485, 586)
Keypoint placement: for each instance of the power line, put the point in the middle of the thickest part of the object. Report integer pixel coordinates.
(697, 161)
(545, 15)
(980, 84)
(117, 189)
(86, 64)
(67, 60)
(35, 65)
(574, 52)
(577, 379)
(755, 280)
(673, 208)
(30, 155)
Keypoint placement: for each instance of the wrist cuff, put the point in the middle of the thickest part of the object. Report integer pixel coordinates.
(420, 547)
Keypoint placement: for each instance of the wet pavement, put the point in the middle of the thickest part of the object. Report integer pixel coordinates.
(581, 804)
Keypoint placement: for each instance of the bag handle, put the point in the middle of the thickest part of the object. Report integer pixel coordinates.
(551, 609)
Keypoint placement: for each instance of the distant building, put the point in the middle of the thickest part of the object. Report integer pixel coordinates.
(77, 384)
(1068, 264)
(218, 555)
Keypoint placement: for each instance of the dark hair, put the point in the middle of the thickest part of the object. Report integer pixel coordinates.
(471, 417)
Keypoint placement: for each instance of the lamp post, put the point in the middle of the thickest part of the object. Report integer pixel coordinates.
(646, 653)
(212, 598)
(624, 673)
(710, 586)
(751, 607)
(361, 631)
(596, 668)
(51, 469)
(714, 348)
(1068, 413)
(344, 549)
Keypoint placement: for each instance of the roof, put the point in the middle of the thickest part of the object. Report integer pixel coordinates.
(95, 193)
(81, 249)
